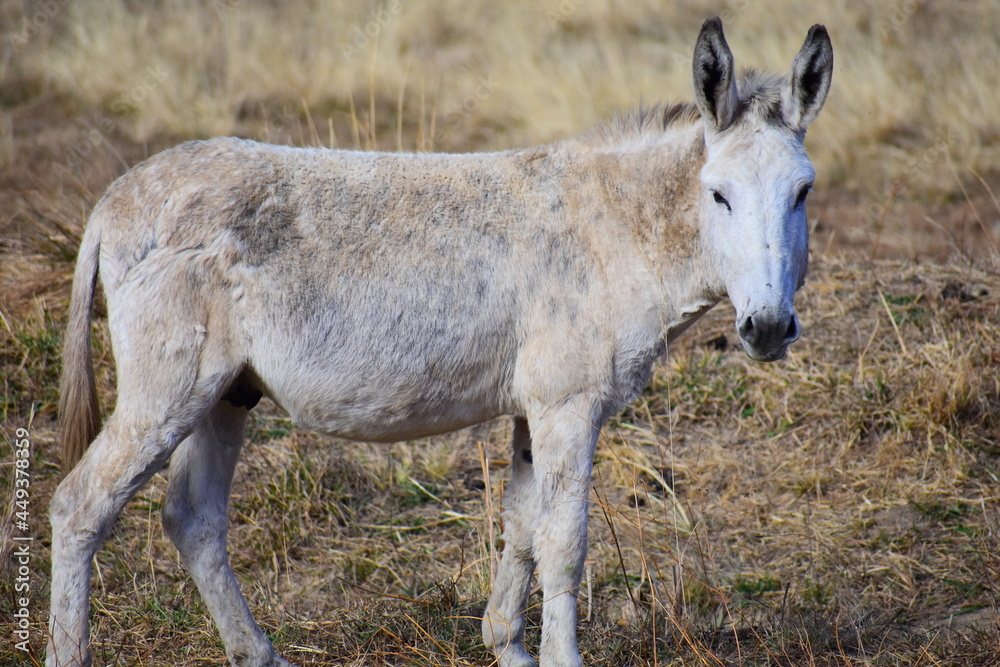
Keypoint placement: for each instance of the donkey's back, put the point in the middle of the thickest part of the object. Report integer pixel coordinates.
(375, 296)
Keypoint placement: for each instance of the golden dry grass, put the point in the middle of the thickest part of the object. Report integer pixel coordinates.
(836, 508)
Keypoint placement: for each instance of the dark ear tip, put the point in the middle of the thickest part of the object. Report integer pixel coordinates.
(818, 32)
(713, 24)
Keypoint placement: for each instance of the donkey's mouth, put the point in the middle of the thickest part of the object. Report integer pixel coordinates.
(770, 355)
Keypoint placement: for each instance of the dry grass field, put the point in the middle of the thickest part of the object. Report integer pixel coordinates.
(837, 508)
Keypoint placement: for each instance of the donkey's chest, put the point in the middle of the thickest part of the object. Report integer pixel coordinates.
(632, 369)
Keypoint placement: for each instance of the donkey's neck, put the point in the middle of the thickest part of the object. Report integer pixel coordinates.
(648, 194)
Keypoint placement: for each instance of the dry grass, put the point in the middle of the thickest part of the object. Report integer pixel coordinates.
(837, 508)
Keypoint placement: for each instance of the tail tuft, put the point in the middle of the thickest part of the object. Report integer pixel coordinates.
(79, 414)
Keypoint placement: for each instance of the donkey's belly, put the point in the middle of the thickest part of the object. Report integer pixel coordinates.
(386, 409)
(391, 423)
(388, 385)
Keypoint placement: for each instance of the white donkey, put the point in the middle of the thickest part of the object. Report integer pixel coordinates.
(384, 297)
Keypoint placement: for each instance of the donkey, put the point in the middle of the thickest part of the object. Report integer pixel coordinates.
(383, 297)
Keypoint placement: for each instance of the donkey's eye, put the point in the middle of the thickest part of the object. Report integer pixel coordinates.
(719, 199)
(803, 193)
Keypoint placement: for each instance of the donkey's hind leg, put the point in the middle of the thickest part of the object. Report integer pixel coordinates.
(127, 452)
(201, 473)
(503, 623)
(171, 370)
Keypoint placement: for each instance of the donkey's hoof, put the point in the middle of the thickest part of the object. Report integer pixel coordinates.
(274, 660)
(515, 655)
(278, 661)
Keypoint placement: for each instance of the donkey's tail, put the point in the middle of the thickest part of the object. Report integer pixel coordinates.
(79, 415)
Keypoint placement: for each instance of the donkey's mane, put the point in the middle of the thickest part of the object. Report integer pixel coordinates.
(760, 98)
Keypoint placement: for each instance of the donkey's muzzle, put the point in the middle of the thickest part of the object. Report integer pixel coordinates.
(767, 333)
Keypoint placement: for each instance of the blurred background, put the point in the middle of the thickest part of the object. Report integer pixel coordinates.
(906, 148)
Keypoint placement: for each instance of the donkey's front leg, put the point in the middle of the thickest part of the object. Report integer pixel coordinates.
(503, 622)
(564, 438)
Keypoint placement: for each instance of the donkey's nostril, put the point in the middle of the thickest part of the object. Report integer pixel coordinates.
(747, 331)
(792, 334)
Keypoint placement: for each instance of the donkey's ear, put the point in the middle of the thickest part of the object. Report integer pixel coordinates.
(714, 79)
(809, 81)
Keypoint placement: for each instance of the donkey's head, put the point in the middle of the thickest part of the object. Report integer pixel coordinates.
(755, 181)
